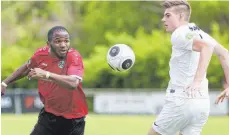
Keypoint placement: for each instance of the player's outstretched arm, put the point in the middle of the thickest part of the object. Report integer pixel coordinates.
(223, 55)
(18, 74)
(65, 81)
(206, 51)
(68, 82)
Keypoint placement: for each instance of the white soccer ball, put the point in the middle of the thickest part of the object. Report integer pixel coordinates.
(120, 57)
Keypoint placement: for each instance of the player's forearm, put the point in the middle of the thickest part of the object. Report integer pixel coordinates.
(17, 75)
(68, 82)
(225, 84)
(225, 70)
(205, 57)
(223, 56)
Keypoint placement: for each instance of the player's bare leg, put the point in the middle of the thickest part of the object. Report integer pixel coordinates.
(152, 132)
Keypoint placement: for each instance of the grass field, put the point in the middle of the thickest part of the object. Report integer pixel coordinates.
(108, 124)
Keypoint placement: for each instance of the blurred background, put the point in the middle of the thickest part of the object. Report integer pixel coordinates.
(129, 100)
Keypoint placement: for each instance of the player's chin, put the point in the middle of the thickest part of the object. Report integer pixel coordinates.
(62, 55)
(168, 30)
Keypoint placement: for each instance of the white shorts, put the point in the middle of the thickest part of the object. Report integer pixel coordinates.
(186, 116)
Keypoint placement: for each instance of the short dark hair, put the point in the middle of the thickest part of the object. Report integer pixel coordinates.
(53, 29)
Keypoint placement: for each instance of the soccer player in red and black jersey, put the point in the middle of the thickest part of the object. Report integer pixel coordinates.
(59, 70)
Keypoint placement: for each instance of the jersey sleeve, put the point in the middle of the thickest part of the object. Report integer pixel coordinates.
(183, 39)
(209, 40)
(76, 67)
(31, 63)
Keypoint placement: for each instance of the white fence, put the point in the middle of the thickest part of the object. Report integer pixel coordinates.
(143, 103)
(104, 102)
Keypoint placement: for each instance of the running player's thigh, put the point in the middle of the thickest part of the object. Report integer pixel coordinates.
(46, 124)
(192, 130)
(200, 112)
(153, 132)
(40, 129)
(170, 119)
(78, 126)
(72, 127)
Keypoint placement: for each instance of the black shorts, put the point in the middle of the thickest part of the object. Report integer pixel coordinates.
(49, 124)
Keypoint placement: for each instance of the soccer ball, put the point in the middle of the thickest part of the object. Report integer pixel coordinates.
(120, 57)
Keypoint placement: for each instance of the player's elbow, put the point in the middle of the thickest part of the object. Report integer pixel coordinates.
(225, 52)
(221, 51)
(74, 84)
(200, 46)
(72, 87)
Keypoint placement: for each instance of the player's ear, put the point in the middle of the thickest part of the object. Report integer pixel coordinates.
(182, 16)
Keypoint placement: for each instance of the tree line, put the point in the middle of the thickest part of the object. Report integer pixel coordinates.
(95, 26)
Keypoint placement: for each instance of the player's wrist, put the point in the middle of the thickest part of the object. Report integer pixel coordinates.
(197, 81)
(47, 75)
(225, 85)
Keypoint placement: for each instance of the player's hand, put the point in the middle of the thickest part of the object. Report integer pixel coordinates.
(3, 90)
(36, 73)
(222, 95)
(193, 89)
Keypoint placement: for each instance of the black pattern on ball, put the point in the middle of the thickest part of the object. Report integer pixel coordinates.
(127, 64)
(114, 51)
(111, 66)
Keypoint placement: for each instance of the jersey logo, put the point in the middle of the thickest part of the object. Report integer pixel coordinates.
(194, 28)
(189, 36)
(61, 64)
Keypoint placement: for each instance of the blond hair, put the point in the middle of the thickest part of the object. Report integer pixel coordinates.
(180, 6)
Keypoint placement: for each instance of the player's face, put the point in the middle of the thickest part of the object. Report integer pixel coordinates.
(170, 20)
(60, 43)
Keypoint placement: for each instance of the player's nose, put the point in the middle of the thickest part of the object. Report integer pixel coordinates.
(62, 44)
(163, 19)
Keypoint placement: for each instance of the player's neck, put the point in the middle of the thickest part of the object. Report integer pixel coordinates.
(53, 54)
(181, 24)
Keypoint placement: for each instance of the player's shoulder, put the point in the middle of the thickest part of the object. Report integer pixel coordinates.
(185, 32)
(73, 53)
(186, 28)
(74, 56)
(42, 51)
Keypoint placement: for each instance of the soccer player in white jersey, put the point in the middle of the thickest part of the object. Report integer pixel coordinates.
(187, 105)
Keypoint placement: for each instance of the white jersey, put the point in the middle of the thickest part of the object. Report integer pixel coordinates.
(180, 113)
(184, 61)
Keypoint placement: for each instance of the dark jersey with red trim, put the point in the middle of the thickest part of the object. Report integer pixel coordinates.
(57, 99)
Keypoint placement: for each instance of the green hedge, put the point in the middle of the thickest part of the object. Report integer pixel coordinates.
(95, 26)
(152, 57)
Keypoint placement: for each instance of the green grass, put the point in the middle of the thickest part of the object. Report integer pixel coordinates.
(108, 124)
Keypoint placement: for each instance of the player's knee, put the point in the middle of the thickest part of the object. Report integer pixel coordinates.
(152, 132)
